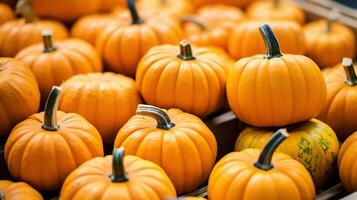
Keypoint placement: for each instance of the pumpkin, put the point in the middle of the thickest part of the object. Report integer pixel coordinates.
(275, 89)
(53, 63)
(20, 33)
(12, 191)
(130, 178)
(340, 111)
(192, 198)
(20, 96)
(167, 73)
(289, 34)
(52, 143)
(347, 163)
(237, 3)
(177, 141)
(276, 10)
(106, 100)
(6, 13)
(327, 41)
(107, 5)
(138, 36)
(313, 143)
(260, 174)
(172, 8)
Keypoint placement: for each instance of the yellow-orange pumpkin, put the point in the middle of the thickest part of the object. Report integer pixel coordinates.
(173, 8)
(17, 191)
(6, 13)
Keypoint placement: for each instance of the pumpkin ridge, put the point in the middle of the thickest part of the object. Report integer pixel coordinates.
(291, 80)
(160, 80)
(202, 67)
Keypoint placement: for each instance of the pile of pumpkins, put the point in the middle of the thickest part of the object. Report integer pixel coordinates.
(142, 76)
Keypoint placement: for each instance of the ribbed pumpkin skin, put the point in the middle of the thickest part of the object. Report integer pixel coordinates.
(73, 56)
(6, 13)
(289, 35)
(20, 96)
(340, 111)
(91, 180)
(44, 158)
(186, 152)
(106, 100)
(277, 91)
(236, 177)
(312, 143)
(18, 191)
(163, 80)
(347, 163)
(169, 7)
(265, 10)
(328, 49)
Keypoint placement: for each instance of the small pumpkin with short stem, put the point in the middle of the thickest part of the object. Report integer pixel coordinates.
(340, 111)
(177, 141)
(171, 8)
(55, 61)
(139, 36)
(17, 190)
(20, 33)
(127, 177)
(275, 89)
(106, 100)
(260, 174)
(53, 143)
(6, 13)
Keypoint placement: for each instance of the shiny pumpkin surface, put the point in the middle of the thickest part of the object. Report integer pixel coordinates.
(347, 163)
(312, 143)
(18, 191)
(6, 13)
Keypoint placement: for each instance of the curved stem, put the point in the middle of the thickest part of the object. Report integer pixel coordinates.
(24, 9)
(50, 116)
(163, 120)
(118, 169)
(264, 161)
(2, 196)
(48, 42)
(194, 20)
(134, 13)
(351, 78)
(185, 51)
(331, 19)
(271, 43)
(276, 3)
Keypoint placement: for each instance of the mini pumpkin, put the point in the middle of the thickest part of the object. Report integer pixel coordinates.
(340, 111)
(289, 34)
(6, 13)
(20, 33)
(117, 176)
(275, 89)
(313, 143)
(179, 142)
(20, 96)
(106, 100)
(347, 163)
(53, 143)
(276, 10)
(260, 174)
(168, 73)
(172, 8)
(138, 36)
(17, 190)
(52, 63)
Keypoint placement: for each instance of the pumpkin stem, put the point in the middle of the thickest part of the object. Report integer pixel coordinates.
(48, 42)
(334, 15)
(24, 9)
(276, 3)
(163, 120)
(351, 78)
(271, 43)
(264, 160)
(50, 118)
(194, 20)
(2, 196)
(118, 174)
(134, 13)
(185, 51)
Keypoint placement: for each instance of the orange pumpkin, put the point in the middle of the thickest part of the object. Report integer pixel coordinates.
(106, 100)
(20, 96)
(276, 10)
(51, 149)
(192, 198)
(179, 142)
(54, 63)
(166, 74)
(15, 191)
(327, 42)
(6, 13)
(138, 36)
(20, 33)
(347, 163)
(166, 7)
(237, 3)
(117, 176)
(260, 174)
(107, 5)
(340, 111)
(275, 89)
(289, 34)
